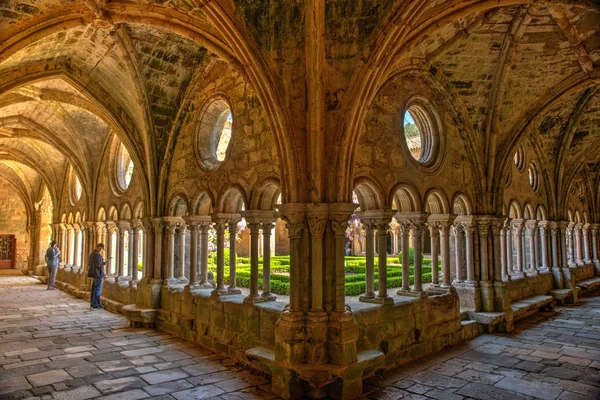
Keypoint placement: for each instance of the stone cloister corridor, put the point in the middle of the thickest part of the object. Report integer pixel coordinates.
(317, 193)
(53, 347)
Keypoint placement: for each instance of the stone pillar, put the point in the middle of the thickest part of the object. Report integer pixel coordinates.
(595, 259)
(290, 330)
(586, 244)
(232, 225)
(434, 233)
(517, 228)
(220, 223)
(503, 252)
(578, 245)
(369, 260)
(158, 224)
(531, 226)
(458, 247)
(171, 228)
(555, 251)
(180, 274)
(405, 234)
(499, 275)
(543, 229)
(253, 224)
(509, 248)
(445, 252)
(204, 226)
(111, 252)
(134, 250)
(123, 227)
(316, 318)
(193, 226)
(383, 222)
(417, 232)
(570, 230)
(76, 252)
(469, 229)
(267, 225)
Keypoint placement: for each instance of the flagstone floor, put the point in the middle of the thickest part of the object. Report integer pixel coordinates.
(53, 347)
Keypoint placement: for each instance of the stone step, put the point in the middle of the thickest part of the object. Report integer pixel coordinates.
(589, 284)
(530, 305)
(561, 294)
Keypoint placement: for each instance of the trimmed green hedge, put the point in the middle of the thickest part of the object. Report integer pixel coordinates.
(280, 278)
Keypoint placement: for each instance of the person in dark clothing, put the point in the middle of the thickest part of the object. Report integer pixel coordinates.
(96, 271)
(52, 257)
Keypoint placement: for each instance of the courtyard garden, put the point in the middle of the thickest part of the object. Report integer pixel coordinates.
(355, 272)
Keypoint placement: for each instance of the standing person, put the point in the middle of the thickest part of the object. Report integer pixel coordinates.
(52, 256)
(96, 271)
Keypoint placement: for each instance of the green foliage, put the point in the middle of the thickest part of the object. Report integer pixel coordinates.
(140, 266)
(411, 130)
(354, 279)
(411, 257)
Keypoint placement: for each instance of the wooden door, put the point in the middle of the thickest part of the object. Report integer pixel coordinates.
(8, 251)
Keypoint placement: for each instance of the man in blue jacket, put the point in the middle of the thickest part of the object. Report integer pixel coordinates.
(96, 271)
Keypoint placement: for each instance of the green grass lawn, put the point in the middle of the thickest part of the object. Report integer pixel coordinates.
(355, 273)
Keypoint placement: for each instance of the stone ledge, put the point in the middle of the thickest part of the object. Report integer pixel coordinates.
(530, 305)
(140, 317)
(589, 284)
(563, 296)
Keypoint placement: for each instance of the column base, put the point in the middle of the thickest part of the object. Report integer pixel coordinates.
(234, 290)
(268, 297)
(403, 291)
(506, 278)
(558, 278)
(183, 280)
(596, 266)
(169, 281)
(219, 292)
(377, 300)
(205, 285)
(367, 297)
(343, 333)
(252, 299)
(290, 337)
(487, 296)
(532, 272)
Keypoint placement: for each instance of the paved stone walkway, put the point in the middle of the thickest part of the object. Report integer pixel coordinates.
(53, 347)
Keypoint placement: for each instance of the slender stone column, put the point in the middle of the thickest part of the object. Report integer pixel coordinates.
(565, 249)
(317, 218)
(458, 248)
(204, 226)
(193, 226)
(123, 227)
(383, 223)
(434, 233)
(594, 231)
(586, 244)
(267, 226)
(417, 232)
(499, 271)
(76, 252)
(509, 247)
(112, 253)
(293, 215)
(232, 225)
(68, 245)
(405, 233)
(543, 229)
(503, 252)
(369, 260)
(469, 229)
(181, 230)
(134, 250)
(531, 226)
(155, 247)
(171, 227)
(220, 223)
(445, 250)
(571, 245)
(517, 226)
(578, 245)
(483, 231)
(554, 248)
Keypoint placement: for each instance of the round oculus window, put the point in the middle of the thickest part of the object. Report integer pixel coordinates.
(421, 131)
(214, 134)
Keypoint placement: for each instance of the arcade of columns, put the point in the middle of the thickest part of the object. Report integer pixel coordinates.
(505, 249)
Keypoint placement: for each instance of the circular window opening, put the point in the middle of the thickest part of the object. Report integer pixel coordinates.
(519, 159)
(421, 131)
(124, 168)
(534, 180)
(214, 133)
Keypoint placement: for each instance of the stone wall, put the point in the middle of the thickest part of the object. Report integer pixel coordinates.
(13, 221)
(411, 329)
